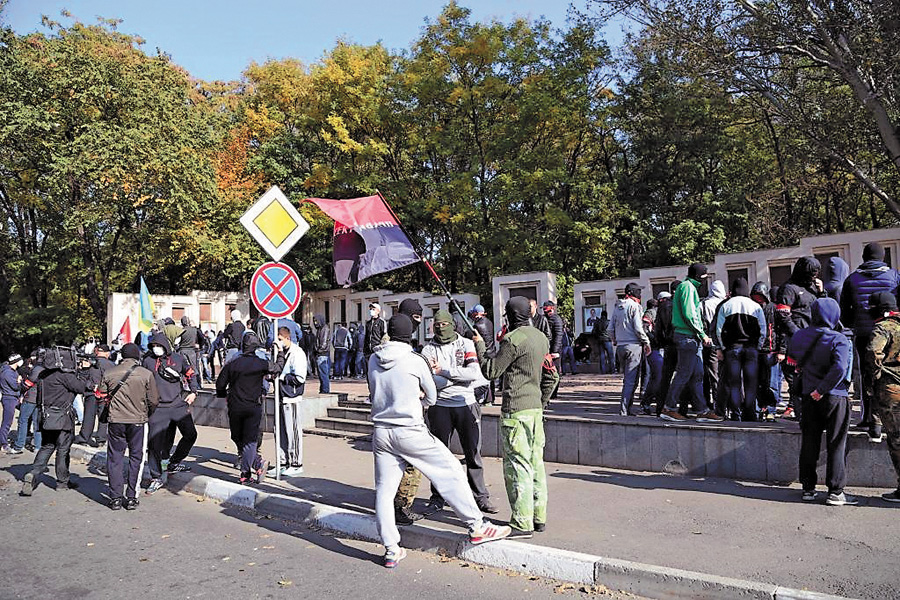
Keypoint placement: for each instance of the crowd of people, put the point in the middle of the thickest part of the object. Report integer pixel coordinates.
(726, 356)
(714, 358)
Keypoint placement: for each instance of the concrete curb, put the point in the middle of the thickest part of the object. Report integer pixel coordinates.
(637, 578)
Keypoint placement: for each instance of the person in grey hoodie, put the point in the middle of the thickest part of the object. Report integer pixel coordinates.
(400, 384)
(631, 342)
(711, 381)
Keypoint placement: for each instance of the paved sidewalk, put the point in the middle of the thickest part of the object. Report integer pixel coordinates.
(721, 527)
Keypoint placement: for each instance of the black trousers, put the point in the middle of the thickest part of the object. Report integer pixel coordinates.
(830, 414)
(160, 443)
(91, 411)
(124, 436)
(244, 420)
(466, 422)
(670, 359)
(59, 441)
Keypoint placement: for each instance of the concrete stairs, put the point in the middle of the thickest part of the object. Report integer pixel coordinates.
(350, 419)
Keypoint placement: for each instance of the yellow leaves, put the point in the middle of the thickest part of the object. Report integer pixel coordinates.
(339, 137)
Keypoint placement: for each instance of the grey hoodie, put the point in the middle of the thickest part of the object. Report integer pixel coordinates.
(397, 379)
(709, 305)
(627, 327)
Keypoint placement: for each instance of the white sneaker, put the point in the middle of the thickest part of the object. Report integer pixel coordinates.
(274, 471)
(292, 472)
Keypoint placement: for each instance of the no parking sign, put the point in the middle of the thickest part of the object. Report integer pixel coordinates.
(275, 290)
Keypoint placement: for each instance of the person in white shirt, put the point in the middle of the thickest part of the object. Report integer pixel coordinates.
(291, 382)
(456, 375)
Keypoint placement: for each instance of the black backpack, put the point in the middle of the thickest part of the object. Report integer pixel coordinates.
(62, 358)
(262, 327)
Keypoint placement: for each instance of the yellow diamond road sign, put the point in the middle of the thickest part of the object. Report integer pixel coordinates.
(274, 223)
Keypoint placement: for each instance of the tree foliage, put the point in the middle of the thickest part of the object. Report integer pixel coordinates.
(503, 147)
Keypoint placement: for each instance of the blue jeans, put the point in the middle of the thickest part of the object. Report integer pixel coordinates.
(340, 362)
(742, 372)
(323, 362)
(568, 358)
(654, 380)
(28, 412)
(9, 409)
(688, 373)
(360, 364)
(629, 359)
(606, 357)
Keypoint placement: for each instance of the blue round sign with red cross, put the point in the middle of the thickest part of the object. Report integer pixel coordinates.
(275, 290)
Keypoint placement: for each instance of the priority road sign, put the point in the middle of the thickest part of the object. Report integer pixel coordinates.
(275, 290)
(274, 223)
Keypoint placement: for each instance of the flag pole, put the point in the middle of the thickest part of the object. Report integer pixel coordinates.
(434, 274)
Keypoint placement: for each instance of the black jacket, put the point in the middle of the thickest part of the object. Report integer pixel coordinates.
(323, 336)
(557, 332)
(793, 304)
(663, 330)
(485, 329)
(241, 380)
(234, 333)
(56, 394)
(541, 323)
(172, 372)
(375, 329)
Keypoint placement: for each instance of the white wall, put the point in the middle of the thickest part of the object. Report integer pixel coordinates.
(758, 263)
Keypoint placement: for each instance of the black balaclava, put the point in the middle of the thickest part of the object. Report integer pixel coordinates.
(518, 312)
(131, 350)
(411, 308)
(740, 287)
(400, 328)
(250, 343)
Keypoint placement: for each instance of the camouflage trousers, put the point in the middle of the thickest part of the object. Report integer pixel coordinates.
(409, 487)
(887, 403)
(522, 434)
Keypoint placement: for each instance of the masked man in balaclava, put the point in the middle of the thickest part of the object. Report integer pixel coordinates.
(526, 388)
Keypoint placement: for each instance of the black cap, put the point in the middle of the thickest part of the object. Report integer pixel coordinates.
(873, 251)
(633, 289)
(697, 271)
(131, 350)
(400, 328)
(548, 303)
(883, 302)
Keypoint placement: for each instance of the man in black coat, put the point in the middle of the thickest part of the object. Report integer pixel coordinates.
(100, 365)
(557, 337)
(57, 387)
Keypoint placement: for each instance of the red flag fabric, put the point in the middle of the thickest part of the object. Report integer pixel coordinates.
(367, 238)
(125, 331)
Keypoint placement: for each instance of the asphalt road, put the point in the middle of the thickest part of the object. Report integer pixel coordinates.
(67, 544)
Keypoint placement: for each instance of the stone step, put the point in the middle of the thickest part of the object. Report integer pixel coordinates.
(351, 413)
(354, 402)
(333, 433)
(350, 425)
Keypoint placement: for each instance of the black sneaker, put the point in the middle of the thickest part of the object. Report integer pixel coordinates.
(520, 534)
(435, 505)
(875, 434)
(115, 504)
(892, 496)
(809, 496)
(486, 506)
(177, 468)
(406, 516)
(540, 527)
(131, 503)
(67, 485)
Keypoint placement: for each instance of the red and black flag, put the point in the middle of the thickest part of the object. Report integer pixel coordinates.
(368, 238)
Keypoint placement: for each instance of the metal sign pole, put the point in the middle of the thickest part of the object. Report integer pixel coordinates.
(277, 407)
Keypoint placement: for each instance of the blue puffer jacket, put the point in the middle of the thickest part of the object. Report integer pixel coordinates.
(872, 276)
(821, 353)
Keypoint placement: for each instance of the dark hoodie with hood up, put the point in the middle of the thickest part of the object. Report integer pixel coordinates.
(820, 353)
(838, 270)
(242, 379)
(171, 370)
(323, 336)
(519, 358)
(793, 304)
(871, 277)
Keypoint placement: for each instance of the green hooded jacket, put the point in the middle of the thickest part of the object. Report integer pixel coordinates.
(686, 318)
